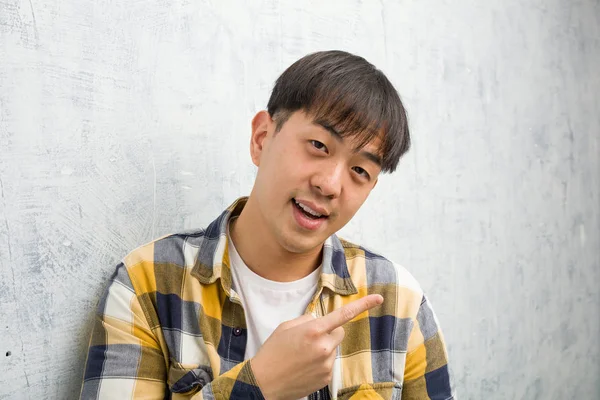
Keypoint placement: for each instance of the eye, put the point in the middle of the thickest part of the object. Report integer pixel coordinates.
(318, 145)
(362, 172)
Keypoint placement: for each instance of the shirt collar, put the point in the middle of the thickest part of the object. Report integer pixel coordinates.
(212, 262)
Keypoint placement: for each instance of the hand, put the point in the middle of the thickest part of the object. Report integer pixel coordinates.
(297, 359)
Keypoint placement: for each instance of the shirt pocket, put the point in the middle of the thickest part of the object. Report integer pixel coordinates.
(372, 391)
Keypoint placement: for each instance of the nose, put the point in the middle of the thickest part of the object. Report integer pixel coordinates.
(328, 180)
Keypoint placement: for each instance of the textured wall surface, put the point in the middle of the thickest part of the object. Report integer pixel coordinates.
(124, 121)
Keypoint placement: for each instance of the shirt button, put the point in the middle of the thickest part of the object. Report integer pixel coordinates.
(237, 331)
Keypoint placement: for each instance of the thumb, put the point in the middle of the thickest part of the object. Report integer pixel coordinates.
(297, 321)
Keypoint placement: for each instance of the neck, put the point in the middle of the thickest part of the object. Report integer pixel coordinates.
(263, 254)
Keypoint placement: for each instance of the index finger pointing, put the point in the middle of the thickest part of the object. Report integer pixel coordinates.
(348, 312)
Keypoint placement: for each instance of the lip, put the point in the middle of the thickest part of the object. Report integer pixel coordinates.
(315, 207)
(305, 222)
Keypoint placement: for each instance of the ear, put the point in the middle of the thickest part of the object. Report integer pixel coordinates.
(261, 124)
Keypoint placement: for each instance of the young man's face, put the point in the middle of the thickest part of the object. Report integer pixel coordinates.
(310, 181)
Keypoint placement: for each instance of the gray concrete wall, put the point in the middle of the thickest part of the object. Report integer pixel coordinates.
(123, 121)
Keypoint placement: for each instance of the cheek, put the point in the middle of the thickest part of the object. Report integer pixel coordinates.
(288, 172)
(353, 201)
(293, 165)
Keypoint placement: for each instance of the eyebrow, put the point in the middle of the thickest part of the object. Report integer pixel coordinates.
(337, 136)
(370, 156)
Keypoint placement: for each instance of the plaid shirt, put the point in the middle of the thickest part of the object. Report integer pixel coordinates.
(171, 326)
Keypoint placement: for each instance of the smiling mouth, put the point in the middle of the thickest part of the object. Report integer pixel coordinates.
(307, 211)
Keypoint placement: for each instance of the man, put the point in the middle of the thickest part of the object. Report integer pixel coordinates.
(267, 302)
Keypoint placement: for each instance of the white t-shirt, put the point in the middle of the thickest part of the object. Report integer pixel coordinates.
(268, 303)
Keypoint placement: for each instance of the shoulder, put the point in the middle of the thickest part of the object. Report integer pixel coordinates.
(170, 255)
(379, 269)
(371, 272)
(170, 249)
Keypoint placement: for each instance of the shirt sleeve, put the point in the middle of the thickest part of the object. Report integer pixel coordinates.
(124, 359)
(426, 373)
(238, 383)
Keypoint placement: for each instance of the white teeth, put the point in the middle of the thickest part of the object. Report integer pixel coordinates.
(308, 209)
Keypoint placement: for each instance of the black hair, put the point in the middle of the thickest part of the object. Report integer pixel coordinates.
(348, 94)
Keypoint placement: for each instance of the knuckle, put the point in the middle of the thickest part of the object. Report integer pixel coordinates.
(313, 331)
(323, 350)
(283, 326)
(331, 361)
(348, 313)
(328, 377)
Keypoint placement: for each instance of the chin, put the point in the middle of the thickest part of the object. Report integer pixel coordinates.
(298, 244)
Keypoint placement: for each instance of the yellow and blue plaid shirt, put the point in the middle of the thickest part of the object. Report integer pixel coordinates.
(171, 326)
